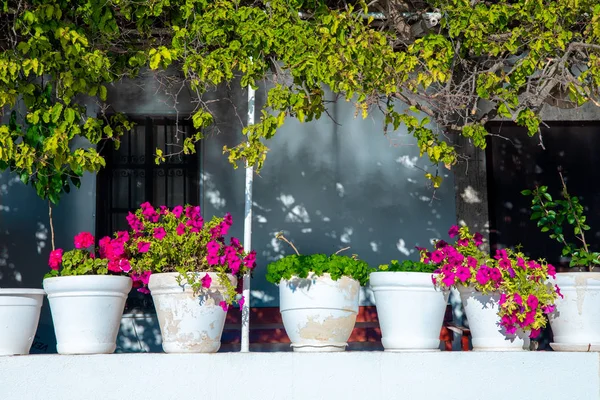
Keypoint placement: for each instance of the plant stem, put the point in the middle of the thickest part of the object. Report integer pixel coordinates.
(340, 250)
(581, 231)
(562, 237)
(281, 237)
(51, 224)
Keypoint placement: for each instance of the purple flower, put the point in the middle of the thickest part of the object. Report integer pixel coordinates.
(483, 275)
(504, 263)
(463, 273)
(532, 302)
(471, 262)
(453, 231)
(224, 306)
(143, 247)
(206, 281)
(517, 298)
(500, 254)
(448, 280)
(462, 242)
(177, 211)
(180, 229)
(495, 275)
(478, 239)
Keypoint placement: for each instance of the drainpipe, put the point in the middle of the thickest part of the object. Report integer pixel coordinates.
(247, 233)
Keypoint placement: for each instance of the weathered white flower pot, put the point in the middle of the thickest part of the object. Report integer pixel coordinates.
(86, 311)
(484, 323)
(188, 323)
(576, 320)
(319, 313)
(19, 317)
(410, 310)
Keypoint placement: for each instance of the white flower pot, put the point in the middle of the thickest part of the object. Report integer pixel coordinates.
(319, 313)
(484, 323)
(87, 311)
(188, 323)
(19, 317)
(410, 310)
(576, 320)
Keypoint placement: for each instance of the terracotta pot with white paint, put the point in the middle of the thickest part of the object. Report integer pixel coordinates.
(576, 320)
(86, 311)
(19, 317)
(484, 323)
(189, 323)
(319, 313)
(410, 310)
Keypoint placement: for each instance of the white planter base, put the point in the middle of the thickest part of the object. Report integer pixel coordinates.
(188, 323)
(19, 317)
(576, 320)
(87, 311)
(410, 310)
(484, 323)
(318, 313)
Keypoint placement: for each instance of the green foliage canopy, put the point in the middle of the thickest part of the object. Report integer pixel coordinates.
(485, 59)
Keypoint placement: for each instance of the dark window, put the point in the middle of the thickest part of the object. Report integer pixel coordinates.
(132, 177)
(516, 162)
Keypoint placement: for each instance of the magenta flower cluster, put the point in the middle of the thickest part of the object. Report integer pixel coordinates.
(526, 296)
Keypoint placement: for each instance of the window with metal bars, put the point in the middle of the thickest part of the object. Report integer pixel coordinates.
(132, 177)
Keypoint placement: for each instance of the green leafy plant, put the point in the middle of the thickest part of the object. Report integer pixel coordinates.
(178, 240)
(554, 215)
(514, 55)
(109, 258)
(318, 264)
(407, 266)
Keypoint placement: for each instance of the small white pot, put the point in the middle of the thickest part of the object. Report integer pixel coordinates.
(576, 320)
(87, 311)
(188, 323)
(19, 317)
(318, 313)
(484, 323)
(410, 310)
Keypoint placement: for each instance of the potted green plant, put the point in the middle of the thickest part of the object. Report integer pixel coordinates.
(410, 308)
(318, 297)
(506, 298)
(87, 288)
(191, 272)
(576, 322)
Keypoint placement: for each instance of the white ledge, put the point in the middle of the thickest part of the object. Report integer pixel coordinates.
(287, 376)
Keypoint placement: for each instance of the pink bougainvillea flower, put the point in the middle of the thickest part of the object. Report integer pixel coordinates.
(478, 239)
(143, 247)
(462, 242)
(463, 273)
(206, 281)
(250, 260)
(55, 259)
(453, 231)
(551, 271)
(224, 306)
(471, 262)
(504, 263)
(212, 260)
(180, 229)
(160, 233)
(483, 275)
(548, 309)
(241, 302)
(448, 280)
(84, 240)
(502, 299)
(177, 211)
(500, 254)
(517, 298)
(532, 302)
(124, 265)
(437, 256)
(495, 275)
(534, 333)
(235, 265)
(559, 293)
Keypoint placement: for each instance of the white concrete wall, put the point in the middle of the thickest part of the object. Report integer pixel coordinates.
(292, 376)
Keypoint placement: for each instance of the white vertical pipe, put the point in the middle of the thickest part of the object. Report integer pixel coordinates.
(247, 234)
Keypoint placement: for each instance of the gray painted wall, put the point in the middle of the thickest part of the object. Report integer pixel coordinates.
(326, 185)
